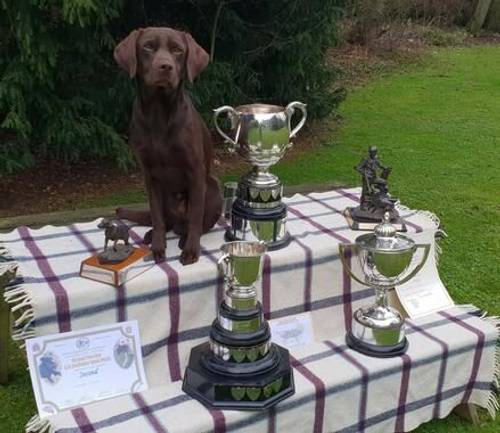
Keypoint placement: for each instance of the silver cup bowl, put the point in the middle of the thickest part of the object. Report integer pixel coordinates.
(261, 133)
(241, 262)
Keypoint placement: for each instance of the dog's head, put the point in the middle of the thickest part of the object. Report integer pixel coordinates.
(162, 57)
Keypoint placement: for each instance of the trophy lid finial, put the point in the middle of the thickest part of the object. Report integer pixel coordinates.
(385, 229)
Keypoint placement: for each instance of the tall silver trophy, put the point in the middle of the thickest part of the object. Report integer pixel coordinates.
(239, 367)
(385, 258)
(261, 134)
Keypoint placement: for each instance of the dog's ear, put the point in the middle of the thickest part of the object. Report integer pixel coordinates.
(197, 58)
(126, 53)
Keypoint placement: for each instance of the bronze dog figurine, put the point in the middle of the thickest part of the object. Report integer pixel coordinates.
(170, 139)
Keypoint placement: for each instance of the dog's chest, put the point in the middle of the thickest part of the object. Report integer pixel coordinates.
(163, 161)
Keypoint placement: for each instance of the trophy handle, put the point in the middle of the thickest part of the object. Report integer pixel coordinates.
(427, 248)
(230, 110)
(223, 263)
(290, 109)
(342, 253)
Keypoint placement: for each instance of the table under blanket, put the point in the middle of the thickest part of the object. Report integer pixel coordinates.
(175, 306)
(449, 361)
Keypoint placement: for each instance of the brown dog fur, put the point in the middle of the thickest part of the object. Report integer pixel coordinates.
(170, 139)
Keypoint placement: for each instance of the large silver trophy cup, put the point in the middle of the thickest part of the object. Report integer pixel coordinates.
(261, 134)
(385, 259)
(239, 367)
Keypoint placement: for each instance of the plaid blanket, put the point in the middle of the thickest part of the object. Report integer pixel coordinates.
(307, 276)
(450, 361)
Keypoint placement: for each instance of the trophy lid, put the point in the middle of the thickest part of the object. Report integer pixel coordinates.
(385, 238)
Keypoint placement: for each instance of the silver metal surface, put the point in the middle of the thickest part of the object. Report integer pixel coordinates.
(241, 265)
(267, 231)
(385, 258)
(240, 326)
(230, 192)
(387, 330)
(261, 132)
(240, 354)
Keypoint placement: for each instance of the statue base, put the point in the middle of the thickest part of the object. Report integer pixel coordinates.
(363, 220)
(243, 386)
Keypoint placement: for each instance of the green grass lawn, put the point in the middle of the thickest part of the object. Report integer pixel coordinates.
(438, 125)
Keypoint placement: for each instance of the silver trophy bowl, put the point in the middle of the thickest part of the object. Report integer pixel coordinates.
(385, 259)
(261, 134)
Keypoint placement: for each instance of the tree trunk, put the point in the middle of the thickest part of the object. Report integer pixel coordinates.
(477, 22)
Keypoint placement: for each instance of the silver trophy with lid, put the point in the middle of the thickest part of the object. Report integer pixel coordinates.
(261, 134)
(385, 258)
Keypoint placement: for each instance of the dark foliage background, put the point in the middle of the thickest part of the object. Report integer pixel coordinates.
(63, 97)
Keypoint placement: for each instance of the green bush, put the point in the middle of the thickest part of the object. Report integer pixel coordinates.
(63, 97)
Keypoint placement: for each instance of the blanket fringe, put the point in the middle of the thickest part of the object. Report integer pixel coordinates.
(38, 425)
(493, 404)
(18, 298)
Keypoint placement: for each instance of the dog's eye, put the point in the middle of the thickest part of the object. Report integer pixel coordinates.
(177, 50)
(148, 46)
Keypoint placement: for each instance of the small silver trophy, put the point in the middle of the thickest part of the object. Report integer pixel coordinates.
(261, 136)
(239, 368)
(385, 258)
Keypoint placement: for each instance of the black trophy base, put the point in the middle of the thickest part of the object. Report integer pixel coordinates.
(238, 388)
(362, 223)
(374, 350)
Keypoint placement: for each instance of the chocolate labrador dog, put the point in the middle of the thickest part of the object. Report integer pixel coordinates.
(170, 139)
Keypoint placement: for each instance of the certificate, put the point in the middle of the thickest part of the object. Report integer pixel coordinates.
(75, 368)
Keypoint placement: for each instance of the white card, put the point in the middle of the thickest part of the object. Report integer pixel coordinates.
(75, 368)
(425, 299)
(292, 331)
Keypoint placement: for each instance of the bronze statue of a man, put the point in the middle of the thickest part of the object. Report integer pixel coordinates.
(375, 198)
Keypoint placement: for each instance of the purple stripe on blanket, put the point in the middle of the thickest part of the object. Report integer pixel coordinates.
(266, 287)
(346, 278)
(323, 229)
(403, 394)
(82, 420)
(347, 291)
(174, 362)
(355, 198)
(83, 239)
(219, 420)
(303, 234)
(442, 369)
(324, 203)
(271, 421)
(61, 296)
(148, 413)
(478, 352)
(319, 386)
(364, 383)
(121, 297)
(308, 269)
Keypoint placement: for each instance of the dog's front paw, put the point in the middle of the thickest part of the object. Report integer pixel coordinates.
(148, 237)
(190, 253)
(158, 246)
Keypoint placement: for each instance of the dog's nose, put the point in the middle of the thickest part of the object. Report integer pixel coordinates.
(165, 66)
